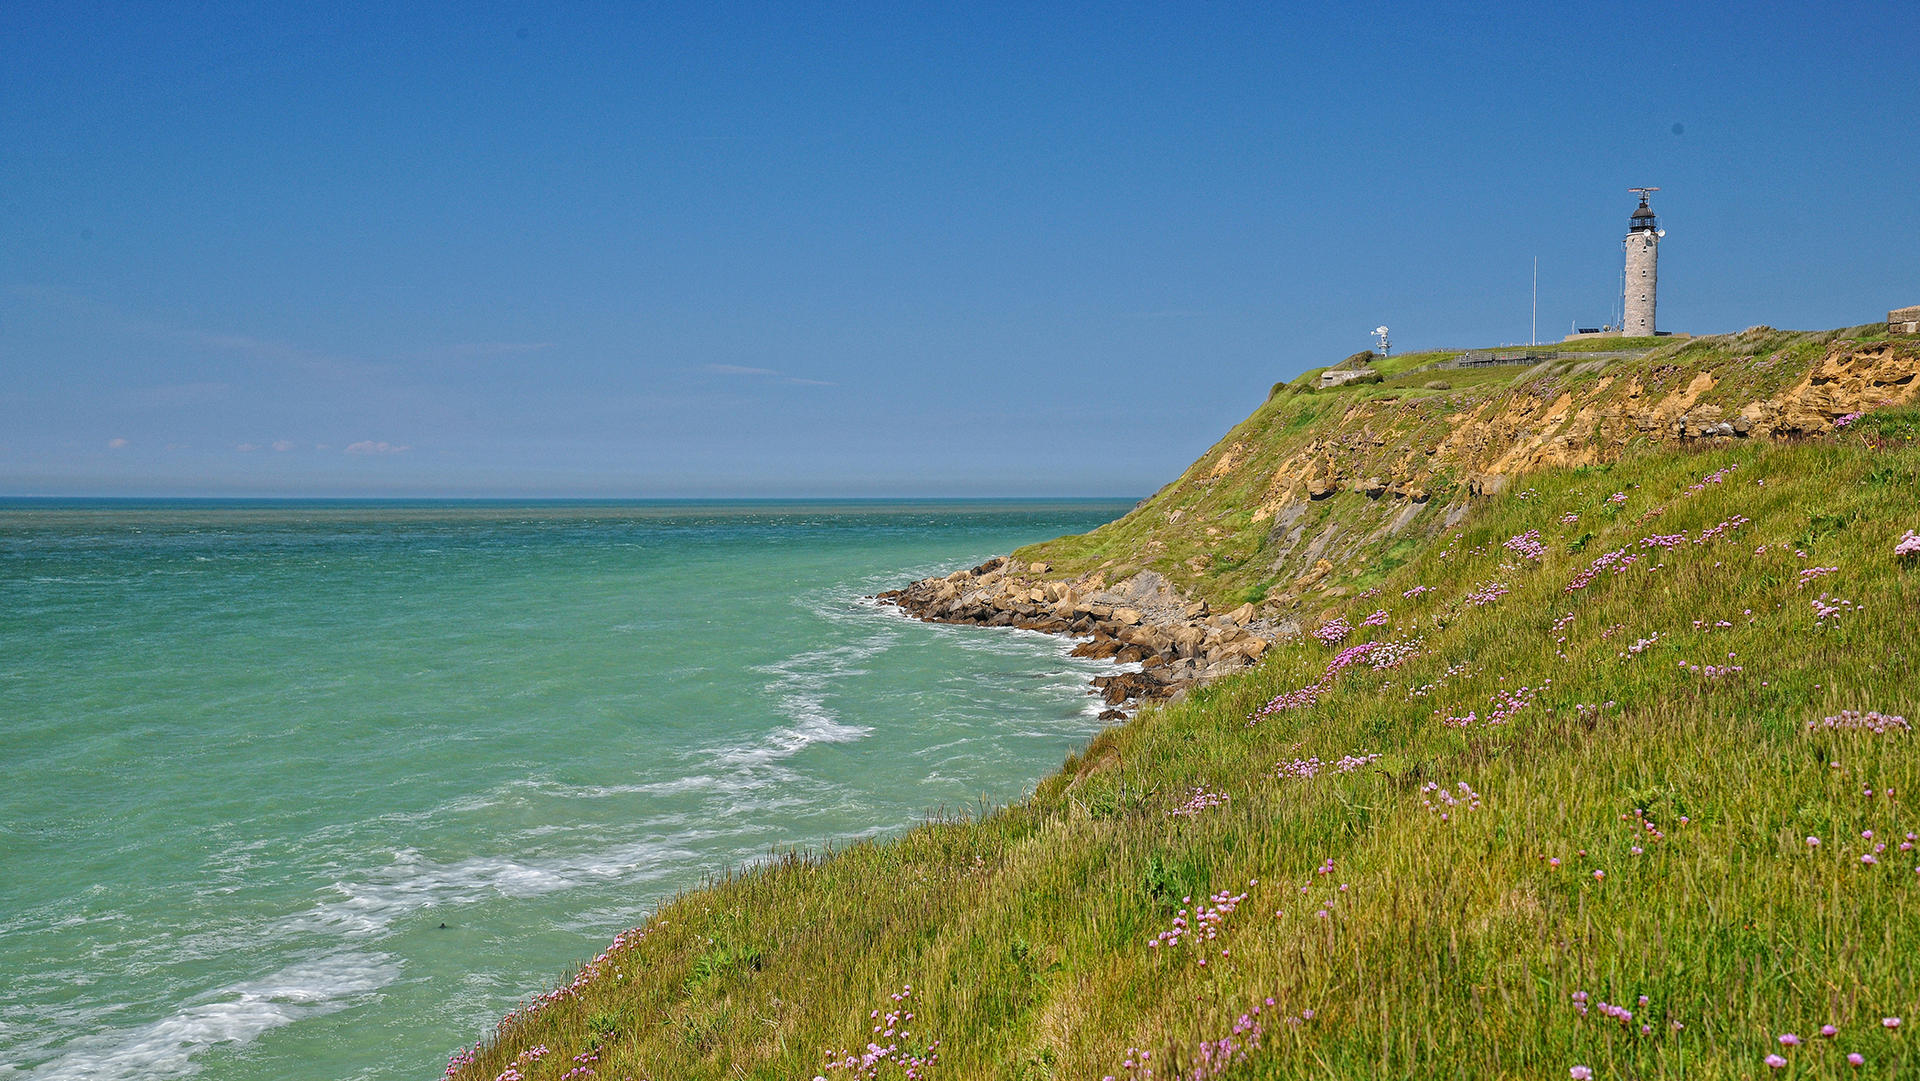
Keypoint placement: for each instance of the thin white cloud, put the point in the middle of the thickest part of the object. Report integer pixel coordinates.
(768, 373)
(283, 445)
(371, 446)
(116, 443)
(246, 448)
(266, 351)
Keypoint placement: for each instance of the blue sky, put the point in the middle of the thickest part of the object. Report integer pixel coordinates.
(712, 249)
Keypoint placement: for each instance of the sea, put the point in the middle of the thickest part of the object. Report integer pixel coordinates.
(320, 790)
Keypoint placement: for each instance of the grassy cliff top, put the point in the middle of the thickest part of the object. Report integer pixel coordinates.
(1610, 775)
(1362, 476)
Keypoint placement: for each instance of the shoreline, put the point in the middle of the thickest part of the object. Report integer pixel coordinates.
(1142, 620)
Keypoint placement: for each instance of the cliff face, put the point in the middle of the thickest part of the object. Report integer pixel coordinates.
(1321, 493)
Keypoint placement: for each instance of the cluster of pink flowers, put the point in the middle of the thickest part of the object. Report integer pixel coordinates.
(1618, 1013)
(1644, 828)
(525, 1058)
(1527, 545)
(1506, 704)
(1808, 574)
(1386, 655)
(1616, 561)
(1308, 695)
(1871, 721)
(459, 1060)
(1845, 419)
(1213, 1057)
(1908, 545)
(1449, 803)
(1665, 541)
(1713, 671)
(1722, 528)
(1201, 800)
(1202, 925)
(1614, 1012)
(1641, 645)
(1716, 477)
(1417, 590)
(1790, 1040)
(890, 1026)
(1306, 769)
(1617, 497)
(1827, 606)
(1487, 593)
(1426, 689)
(1333, 631)
(582, 1065)
(1377, 619)
(1569, 518)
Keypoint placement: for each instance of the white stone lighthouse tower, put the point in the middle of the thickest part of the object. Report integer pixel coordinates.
(1643, 271)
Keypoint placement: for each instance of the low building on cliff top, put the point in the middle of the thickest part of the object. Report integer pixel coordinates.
(1904, 322)
(1354, 368)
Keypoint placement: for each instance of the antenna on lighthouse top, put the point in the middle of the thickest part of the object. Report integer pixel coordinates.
(1642, 220)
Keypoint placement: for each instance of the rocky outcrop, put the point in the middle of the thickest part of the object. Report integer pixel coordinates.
(1141, 621)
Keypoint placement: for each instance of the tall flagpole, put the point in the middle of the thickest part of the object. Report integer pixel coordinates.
(1536, 301)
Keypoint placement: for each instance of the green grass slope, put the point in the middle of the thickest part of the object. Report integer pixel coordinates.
(1575, 787)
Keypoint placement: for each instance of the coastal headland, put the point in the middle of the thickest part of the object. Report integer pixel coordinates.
(1579, 744)
(1214, 568)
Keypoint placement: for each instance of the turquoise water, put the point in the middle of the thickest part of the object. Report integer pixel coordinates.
(253, 756)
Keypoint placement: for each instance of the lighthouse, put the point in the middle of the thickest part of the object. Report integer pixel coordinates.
(1643, 272)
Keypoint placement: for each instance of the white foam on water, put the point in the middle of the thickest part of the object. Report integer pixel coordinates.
(236, 1014)
(800, 687)
(788, 740)
(374, 902)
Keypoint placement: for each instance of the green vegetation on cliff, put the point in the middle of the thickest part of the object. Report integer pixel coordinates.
(1607, 775)
(1361, 476)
